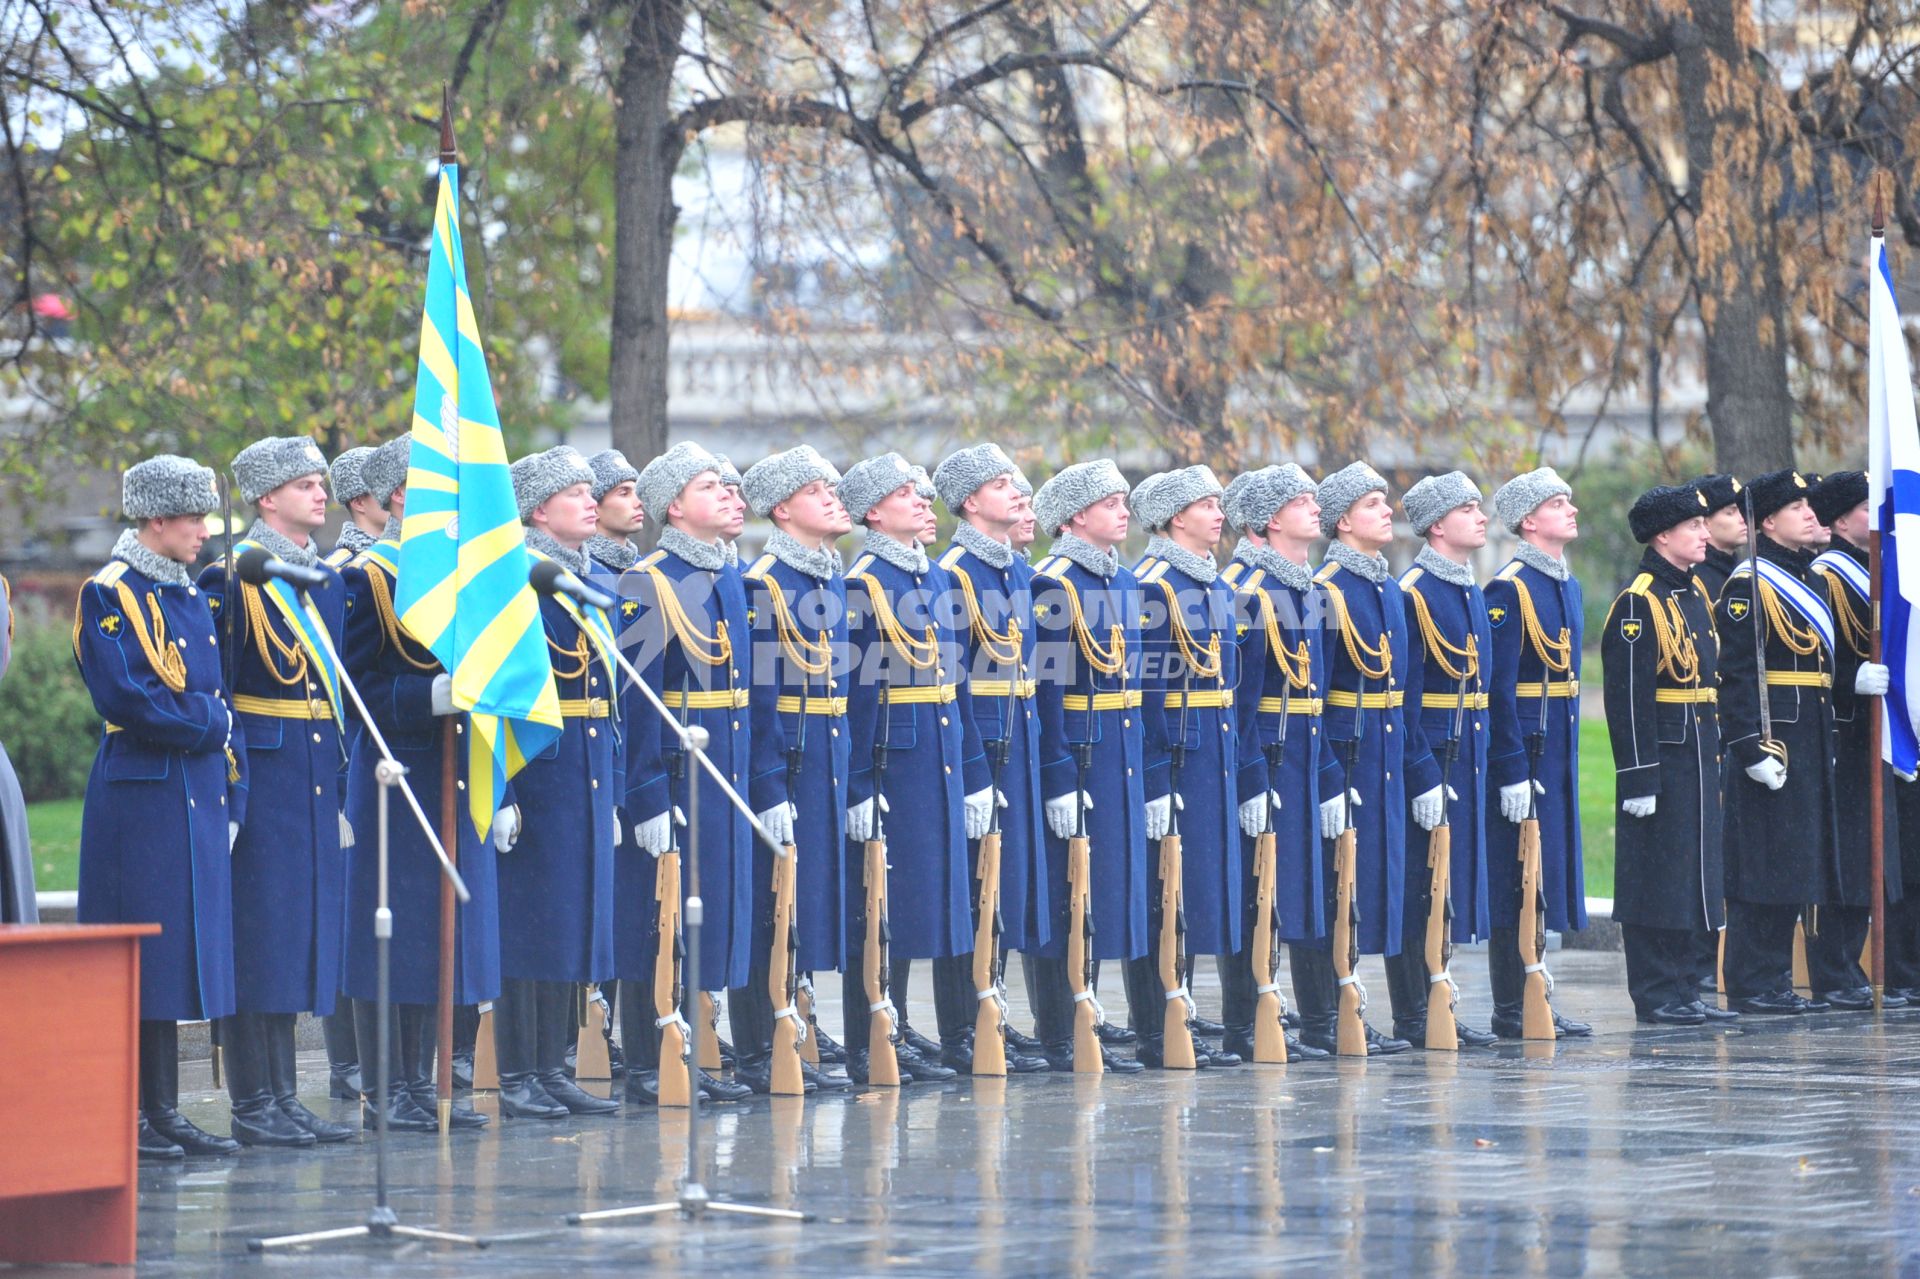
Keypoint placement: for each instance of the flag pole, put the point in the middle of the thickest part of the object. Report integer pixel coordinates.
(449, 813)
(1876, 784)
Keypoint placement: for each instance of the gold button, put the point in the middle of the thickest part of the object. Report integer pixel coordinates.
(943, 721)
(836, 732)
(316, 737)
(947, 767)
(183, 643)
(1389, 728)
(191, 592)
(596, 783)
(316, 790)
(459, 728)
(1126, 723)
(592, 731)
(736, 726)
(459, 785)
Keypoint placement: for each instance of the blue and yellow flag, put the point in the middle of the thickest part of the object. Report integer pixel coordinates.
(462, 588)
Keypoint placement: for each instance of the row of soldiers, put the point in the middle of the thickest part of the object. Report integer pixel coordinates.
(930, 701)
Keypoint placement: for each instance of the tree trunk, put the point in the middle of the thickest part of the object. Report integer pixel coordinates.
(644, 215)
(1744, 314)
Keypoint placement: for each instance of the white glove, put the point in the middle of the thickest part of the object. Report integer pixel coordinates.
(1429, 809)
(860, 819)
(233, 836)
(1870, 680)
(346, 832)
(618, 834)
(1256, 815)
(506, 829)
(1334, 818)
(656, 833)
(443, 694)
(1063, 813)
(1769, 772)
(1513, 800)
(1160, 814)
(980, 811)
(1642, 807)
(779, 821)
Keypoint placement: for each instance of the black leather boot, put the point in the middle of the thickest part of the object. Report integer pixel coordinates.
(423, 1029)
(1315, 992)
(343, 1053)
(859, 1021)
(554, 1001)
(640, 1043)
(283, 1078)
(151, 1146)
(1508, 978)
(1052, 1002)
(750, 1008)
(161, 1039)
(147, 1140)
(954, 1006)
(1407, 993)
(516, 1042)
(403, 1114)
(1145, 999)
(257, 1120)
(466, 1031)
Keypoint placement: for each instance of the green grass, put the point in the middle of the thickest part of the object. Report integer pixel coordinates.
(54, 827)
(1596, 806)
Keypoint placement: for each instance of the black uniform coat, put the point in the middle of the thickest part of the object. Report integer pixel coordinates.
(1660, 657)
(1714, 570)
(1779, 844)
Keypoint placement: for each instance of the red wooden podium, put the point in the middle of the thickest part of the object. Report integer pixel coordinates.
(71, 995)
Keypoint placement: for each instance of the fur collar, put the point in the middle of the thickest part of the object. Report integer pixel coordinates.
(141, 559)
(821, 562)
(574, 561)
(1443, 568)
(1298, 577)
(1533, 557)
(1373, 568)
(1200, 568)
(391, 533)
(998, 554)
(616, 553)
(730, 551)
(1102, 564)
(911, 559)
(283, 546)
(711, 556)
(354, 539)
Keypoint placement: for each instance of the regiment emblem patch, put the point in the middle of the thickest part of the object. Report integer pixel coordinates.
(1737, 609)
(629, 609)
(1629, 629)
(1497, 614)
(110, 624)
(213, 604)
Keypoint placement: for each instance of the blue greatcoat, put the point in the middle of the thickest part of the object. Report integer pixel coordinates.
(395, 677)
(1177, 605)
(153, 833)
(1076, 611)
(1270, 609)
(289, 873)
(997, 599)
(1517, 591)
(903, 631)
(1456, 612)
(694, 652)
(799, 703)
(1368, 620)
(556, 884)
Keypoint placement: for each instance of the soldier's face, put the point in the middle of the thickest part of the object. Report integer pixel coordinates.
(1556, 520)
(1024, 531)
(1853, 526)
(1685, 543)
(929, 524)
(813, 513)
(179, 537)
(996, 503)
(737, 515)
(571, 515)
(620, 513)
(1200, 523)
(1464, 528)
(901, 514)
(1298, 520)
(704, 508)
(1794, 525)
(1105, 523)
(298, 506)
(1369, 521)
(1727, 527)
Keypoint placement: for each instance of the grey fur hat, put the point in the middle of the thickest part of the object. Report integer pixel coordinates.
(168, 485)
(1436, 496)
(1231, 495)
(923, 483)
(539, 476)
(265, 465)
(1022, 484)
(962, 474)
(729, 473)
(772, 480)
(1174, 492)
(662, 479)
(344, 476)
(1073, 490)
(1522, 495)
(1267, 490)
(610, 470)
(386, 470)
(1339, 491)
(870, 479)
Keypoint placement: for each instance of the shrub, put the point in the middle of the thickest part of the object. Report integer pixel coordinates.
(47, 720)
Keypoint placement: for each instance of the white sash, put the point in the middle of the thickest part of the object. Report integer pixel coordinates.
(1812, 609)
(1848, 569)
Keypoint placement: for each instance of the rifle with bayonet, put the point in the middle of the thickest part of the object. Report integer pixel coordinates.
(1350, 1038)
(883, 1064)
(1443, 1031)
(1080, 962)
(668, 993)
(1536, 1014)
(1269, 1034)
(783, 971)
(1176, 1036)
(990, 1017)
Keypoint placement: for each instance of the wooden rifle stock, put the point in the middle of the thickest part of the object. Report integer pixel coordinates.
(1269, 1036)
(1176, 1037)
(1536, 1014)
(1350, 1039)
(883, 1066)
(803, 1009)
(787, 1079)
(989, 1026)
(1086, 1042)
(1443, 1032)
(674, 1085)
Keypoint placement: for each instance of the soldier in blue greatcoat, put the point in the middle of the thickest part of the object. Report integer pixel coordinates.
(1189, 675)
(558, 828)
(1450, 655)
(683, 622)
(168, 792)
(410, 698)
(289, 873)
(1534, 605)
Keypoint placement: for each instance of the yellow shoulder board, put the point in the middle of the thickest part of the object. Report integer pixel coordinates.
(651, 560)
(859, 566)
(952, 557)
(1508, 573)
(1153, 572)
(1232, 572)
(1252, 584)
(760, 567)
(111, 573)
(1326, 572)
(1054, 566)
(1639, 585)
(1411, 576)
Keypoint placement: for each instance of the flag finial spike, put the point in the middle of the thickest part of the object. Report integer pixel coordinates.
(1877, 184)
(448, 153)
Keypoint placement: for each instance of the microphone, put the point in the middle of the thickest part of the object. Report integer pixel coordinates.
(257, 565)
(549, 578)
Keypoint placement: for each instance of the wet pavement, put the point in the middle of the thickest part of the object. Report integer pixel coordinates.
(1785, 1146)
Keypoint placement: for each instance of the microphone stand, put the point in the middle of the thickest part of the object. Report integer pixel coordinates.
(693, 1201)
(382, 1222)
